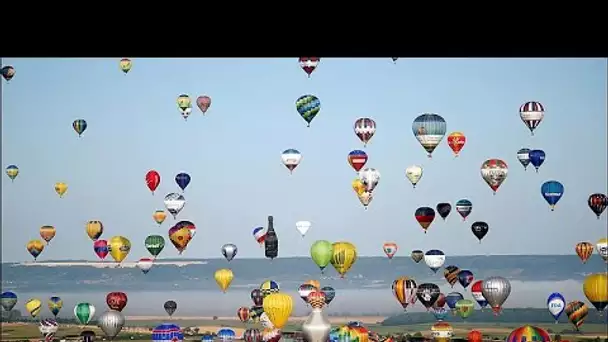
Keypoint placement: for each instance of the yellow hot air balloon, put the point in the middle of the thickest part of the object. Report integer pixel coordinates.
(35, 247)
(119, 247)
(278, 307)
(314, 283)
(94, 229)
(61, 188)
(223, 278)
(358, 186)
(159, 216)
(343, 257)
(47, 233)
(180, 238)
(33, 306)
(125, 65)
(595, 288)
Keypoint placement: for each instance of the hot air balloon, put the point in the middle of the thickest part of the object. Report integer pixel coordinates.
(577, 312)
(556, 304)
(414, 174)
(444, 209)
(365, 198)
(278, 307)
(304, 290)
(477, 294)
(494, 172)
(452, 298)
(394, 59)
(317, 326)
(404, 289)
(532, 113)
(259, 234)
(417, 255)
(125, 65)
(203, 102)
(229, 251)
(365, 128)
(8, 300)
(465, 308)
(480, 229)
(552, 192)
(184, 104)
(223, 278)
(61, 188)
(584, 250)
(152, 180)
(119, 247)
(8, 72)
(602, 248)
(424, 216)
(450, 273)
(111, 323)
(303, 227)
(428, 294)
(100, 247)
(48, 327)
(496, 290)
(154, 244)
(180, 237)
(528, 333)
(390, 249)
(84, 312)
(33, 307)
(597, 203)
(257, 297)
(456, 141)
(170, 306)
(271, 241)
(537, 158)
(169, 333)
(330, 293)
(94, 229)
(55, 304)
(357, 159)
(291, 159)
(370, 178)
(87, 336)
(12, 171)
(465, 278)
(35, 247)
(174, 203)
(79, 126)
(442, 332)
(309, 64)
(116, 300)
(439, 313)
(595, 288)
(523, 155)
(344, 256)
(321, 252)
(429, 129)
(226, 334)
(145, 265)
(251, 335)
(47, 233)
(474, 336)
(308, 106)
(182, 179)
(464, 208)
(243, 314)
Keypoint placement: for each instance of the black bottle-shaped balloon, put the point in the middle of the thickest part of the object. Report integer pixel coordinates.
(271, 242)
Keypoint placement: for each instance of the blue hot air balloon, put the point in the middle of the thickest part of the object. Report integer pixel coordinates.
(8, 300)
(207, 338)
(465, 278)
(537, 158)
(167, 332)
(226, 334)
(552, 191)
(182, 180)
(452, 298)
(429, 129)
(440, 313)
(556, 303)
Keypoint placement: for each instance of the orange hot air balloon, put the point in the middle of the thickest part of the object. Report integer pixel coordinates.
(180, 237)
(314, 283)
(584, 250)
(35, 247)
(456, 141)
(159, 216)
(474, 336)
(47, 233)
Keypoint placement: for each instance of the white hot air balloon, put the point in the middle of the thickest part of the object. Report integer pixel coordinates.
(413, 174)
(291, 158)
(496, 290)
(434, 259)
(370, 178)
(174, 203)
(303, 227)
(145, 264)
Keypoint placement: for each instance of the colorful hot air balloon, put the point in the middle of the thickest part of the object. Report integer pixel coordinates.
(8, 72)
(47, 233)
(357, 159)
(79, 126)
(456, 141)
(344, 256)
(532, 113)
(180, 237)
(365, 198)
(145, 265)
(537, 158)
(424, 216)
(465, 278)
(480, 229)
(174, 203)
(291, 158)
(223, 278)
(303, 227)
(167, 332)
(434, 259)
(304, 290)
(414, 174)
(494, 172)
(584, 250)
(116, 301)
(119, 247)
(184, 104)
(170, 306)
(321, 253)
(602, 248)
(552, 192)
(464, 208)
(152, 180)
(496, 290)
(442, 332)
(595, 288)
(450, 273)
(35, 247)
(365, 128)
(250, 335)
(55, 304)
(33, 306)
(444, 209)
(597, 203)
(577, 312)
(308, 106)
(61, 188)
(12, 171)
(94, 229)
(556, 305)
(523, 155)
(528, 333)
(465, 308)
(390, 249)
(278, 307)
(309, 64)
(154, 244)
(125, 65)
(100, 247)
(428, 294)
(259, 234)
(182, 179)
(8, 300)
(203, 102)
(243, 314)
(417, 255)
(439, 313)
(477, 293)
(404, 289)
(429, 129)
(84, 312)
(229, 251)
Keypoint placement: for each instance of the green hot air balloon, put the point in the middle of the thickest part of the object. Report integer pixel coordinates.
(464, 308)
(321, 253)
(308, 106)
(155, 244)
(84, 312)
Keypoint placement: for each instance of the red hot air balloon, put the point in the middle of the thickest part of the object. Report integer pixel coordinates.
(101, 248)
(116, 300)
(203, 103)
(243, 314)
(474, 336)
(309, 64)
(425, 216)
(152, 180)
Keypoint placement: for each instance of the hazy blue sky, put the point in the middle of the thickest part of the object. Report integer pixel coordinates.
(233, 153)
